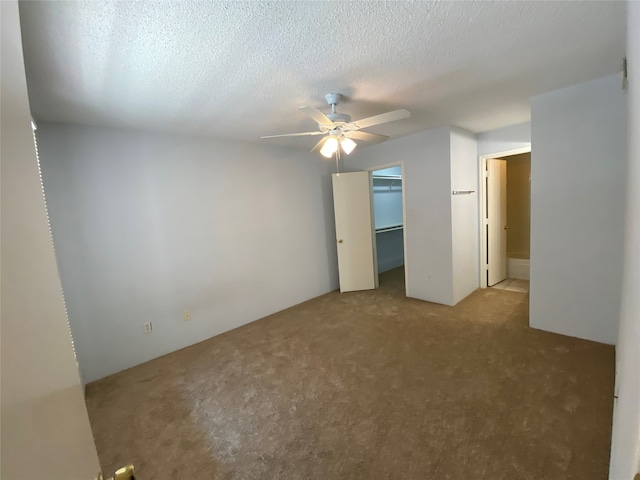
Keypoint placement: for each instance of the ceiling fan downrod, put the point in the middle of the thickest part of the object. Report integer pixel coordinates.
(333, 99)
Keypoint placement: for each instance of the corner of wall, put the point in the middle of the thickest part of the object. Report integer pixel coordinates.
(465, 239)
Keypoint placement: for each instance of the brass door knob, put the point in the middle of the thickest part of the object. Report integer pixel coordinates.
(124, 473)
(506, 227)
(340, 241)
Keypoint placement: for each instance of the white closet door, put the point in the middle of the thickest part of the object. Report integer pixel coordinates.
(497, 220)
(354, 231)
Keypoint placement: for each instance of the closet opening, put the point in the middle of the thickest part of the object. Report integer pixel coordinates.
(388, 214)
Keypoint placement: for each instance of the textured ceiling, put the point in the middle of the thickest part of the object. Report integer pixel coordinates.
(239, 69)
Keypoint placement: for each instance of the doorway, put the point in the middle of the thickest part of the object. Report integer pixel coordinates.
(388, 212)
(369, 208)
(505, 220)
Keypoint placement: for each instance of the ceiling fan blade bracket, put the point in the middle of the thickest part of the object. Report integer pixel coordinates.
(345, 127)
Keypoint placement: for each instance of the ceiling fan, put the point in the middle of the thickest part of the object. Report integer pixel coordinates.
(340, 131)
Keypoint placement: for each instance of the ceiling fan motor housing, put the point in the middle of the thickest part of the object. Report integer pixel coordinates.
(333, 98)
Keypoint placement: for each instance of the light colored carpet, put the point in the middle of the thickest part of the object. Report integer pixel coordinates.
(367, 385)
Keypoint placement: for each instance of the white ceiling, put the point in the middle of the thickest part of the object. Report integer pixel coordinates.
(239, 69)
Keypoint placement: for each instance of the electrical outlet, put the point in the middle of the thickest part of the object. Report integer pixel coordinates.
(186, 315)
(148, 327)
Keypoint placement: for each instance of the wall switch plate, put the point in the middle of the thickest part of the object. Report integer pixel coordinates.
(186, 315)
(148, 327)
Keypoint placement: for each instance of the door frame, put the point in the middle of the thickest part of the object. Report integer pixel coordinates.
(404, 218)
(482, 214)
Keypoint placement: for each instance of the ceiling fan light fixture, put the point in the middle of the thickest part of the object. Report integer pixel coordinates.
(340, 130)
(348, 145)
(330, 147)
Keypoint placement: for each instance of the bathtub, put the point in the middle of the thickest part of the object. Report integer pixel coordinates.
(518, 268)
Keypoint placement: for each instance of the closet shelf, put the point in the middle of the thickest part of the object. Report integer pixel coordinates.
(386, 177)
(389, 229)
(387, 181)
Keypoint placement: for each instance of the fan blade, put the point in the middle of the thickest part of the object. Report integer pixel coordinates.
(383, 118)
(294, 134)
(317, 115)
(367, 137)
(319, 144)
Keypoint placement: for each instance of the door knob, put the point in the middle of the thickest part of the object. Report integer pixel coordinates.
(124, 473)
(506, 227)
(340, 241)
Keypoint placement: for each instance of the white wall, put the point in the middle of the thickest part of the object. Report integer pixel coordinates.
(578, 173)
(464, 214)
(625, 442)
(504, 139)
(427, 181)
(45, 427)
(149, 225)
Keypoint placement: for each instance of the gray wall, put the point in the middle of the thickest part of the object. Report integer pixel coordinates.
(149, 225)
(389, 250)
(578, 169)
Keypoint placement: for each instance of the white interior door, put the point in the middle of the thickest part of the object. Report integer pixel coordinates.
(354, 231)
(45, 426)
(497, 221)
